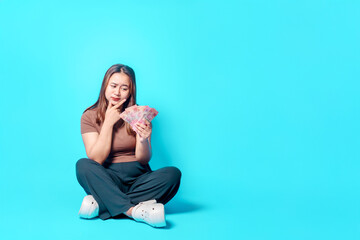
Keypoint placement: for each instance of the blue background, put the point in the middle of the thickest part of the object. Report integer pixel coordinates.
(258, 106)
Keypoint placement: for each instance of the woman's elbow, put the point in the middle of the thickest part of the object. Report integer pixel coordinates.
(96, 158)
(143, 160)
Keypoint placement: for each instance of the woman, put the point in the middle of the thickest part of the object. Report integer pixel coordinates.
(116, 175)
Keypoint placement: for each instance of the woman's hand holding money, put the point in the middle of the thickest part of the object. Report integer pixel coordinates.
(143, 130)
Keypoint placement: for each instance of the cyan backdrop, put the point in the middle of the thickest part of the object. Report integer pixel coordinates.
(258, 106)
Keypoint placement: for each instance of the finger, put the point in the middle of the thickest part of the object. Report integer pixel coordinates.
(119, 103)
(148, 128)
(147, 123)
(139, 131)
(145, 132)
(136, 130)
(138, 126)
(142, 126)
(109, 105)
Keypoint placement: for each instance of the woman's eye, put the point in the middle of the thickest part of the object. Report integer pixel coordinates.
(124, 89)
(112, 86)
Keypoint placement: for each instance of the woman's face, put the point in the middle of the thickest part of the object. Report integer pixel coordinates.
(118, 88)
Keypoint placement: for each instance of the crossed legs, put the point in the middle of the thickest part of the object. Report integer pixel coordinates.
(106, 187)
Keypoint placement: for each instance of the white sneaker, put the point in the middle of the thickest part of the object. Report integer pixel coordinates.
(150, 212)
(89, 207)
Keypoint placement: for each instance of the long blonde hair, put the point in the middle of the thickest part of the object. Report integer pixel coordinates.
(101, 104)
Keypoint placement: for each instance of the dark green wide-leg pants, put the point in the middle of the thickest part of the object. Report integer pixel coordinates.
(119, 186)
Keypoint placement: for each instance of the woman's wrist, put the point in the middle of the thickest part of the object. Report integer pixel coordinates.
(143, 140)
(108, 124)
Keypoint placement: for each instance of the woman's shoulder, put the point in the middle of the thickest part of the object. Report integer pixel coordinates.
(89, 113)
(90, 110)
(88, 121)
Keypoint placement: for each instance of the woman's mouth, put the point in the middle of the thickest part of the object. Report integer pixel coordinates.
(115, 99)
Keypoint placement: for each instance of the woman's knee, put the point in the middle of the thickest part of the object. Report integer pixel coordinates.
(174, 175)
(83, 165)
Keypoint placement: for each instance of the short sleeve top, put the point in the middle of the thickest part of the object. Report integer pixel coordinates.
(122, 146)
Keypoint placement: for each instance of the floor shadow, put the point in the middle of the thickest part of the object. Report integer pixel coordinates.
(90, 219)
(169, 225)
(182, 206)
(121, 216)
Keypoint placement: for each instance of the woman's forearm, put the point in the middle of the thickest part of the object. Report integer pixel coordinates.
(143, 151)
(101, 149)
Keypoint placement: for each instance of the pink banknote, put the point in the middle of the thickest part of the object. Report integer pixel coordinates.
(138, 114)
